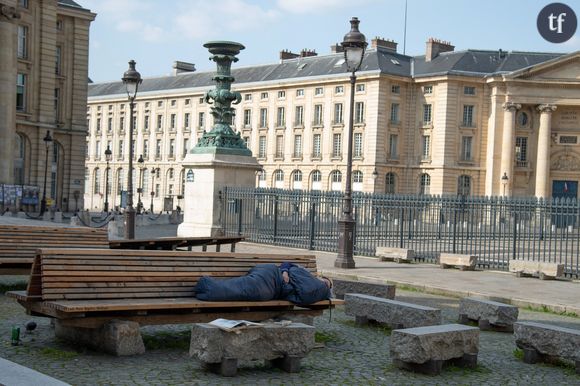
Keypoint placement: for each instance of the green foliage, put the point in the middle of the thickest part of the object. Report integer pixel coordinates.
(167, 340)
(408, 288)
(519, 354)
(386, 330)
(547, 310)
(18, 286)
(325, 336)
(55, 353)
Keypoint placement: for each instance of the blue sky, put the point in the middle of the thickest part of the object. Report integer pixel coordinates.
(155, 33)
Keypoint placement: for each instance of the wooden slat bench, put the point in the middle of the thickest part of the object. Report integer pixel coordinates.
(172, 243)
(88, 288)
(19, 243)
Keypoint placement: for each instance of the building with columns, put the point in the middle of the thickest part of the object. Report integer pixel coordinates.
(469, 122)
(43, 87)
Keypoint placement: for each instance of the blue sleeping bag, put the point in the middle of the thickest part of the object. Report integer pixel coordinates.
(263, 282)
(304, 288)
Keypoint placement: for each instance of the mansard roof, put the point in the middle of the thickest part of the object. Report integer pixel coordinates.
(478, 63)
(70, 3)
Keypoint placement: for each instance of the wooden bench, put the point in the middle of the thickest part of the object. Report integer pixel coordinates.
(173, 243)
(19, 243)
(88, 288)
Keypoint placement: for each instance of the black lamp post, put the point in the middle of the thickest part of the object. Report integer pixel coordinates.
(153, 172)
(132, 80)
(140, 188)
(354, 45)
(108, 157)
(47, 141)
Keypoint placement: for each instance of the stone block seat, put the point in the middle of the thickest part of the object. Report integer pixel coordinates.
(341, 287)
(427, 349)
(392, 313)
(488, 314)
(548, 343)
(528, 268)
(282, 346)
(463, 262)
(398, 255)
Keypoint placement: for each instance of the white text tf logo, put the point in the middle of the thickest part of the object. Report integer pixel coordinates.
(557, 23)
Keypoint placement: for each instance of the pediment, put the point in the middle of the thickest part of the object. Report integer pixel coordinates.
(563, 69)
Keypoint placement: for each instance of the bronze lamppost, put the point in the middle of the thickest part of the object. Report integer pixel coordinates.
(47, 141)
(153, 172)
(140, 188)
(132, 80)
(108, 157)
(354, 45)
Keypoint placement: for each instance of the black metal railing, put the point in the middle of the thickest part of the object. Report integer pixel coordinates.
(496, 229)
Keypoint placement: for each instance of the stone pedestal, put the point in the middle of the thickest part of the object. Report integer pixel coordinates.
(206, 175)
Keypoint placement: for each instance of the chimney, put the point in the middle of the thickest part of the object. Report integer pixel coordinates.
(181, 67)
(384, 43)
(435, 47)
(305, 53)
(287, 54)
(336, 48)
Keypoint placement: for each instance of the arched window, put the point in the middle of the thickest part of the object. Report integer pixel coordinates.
(262, 179)
(357, 181)
(145, 180)
(297, 179)
(20, 159)
(279, 179)
(390, 183)
(425, 184)
(316, 178)
(336, 180)
(120, 180)
(464, 185)
(97, 181)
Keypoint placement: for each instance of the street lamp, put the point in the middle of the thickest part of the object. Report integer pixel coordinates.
(504, 181)
(354, 45)
(153, 172)
(47, 140)
(108, 157)
(140, 188)
(132, 80)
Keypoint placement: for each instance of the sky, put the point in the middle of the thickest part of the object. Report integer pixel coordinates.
(155, 33)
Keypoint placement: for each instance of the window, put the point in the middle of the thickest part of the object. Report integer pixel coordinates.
(316, 149)
(201, 100)
(98, 150)
(428, 89)
(158, 149)
(247, 118)
(246, 140)
(297, 146)
(21, 92)
(336, 145)
(172, 121)
(357, 177)
(145, 148)
(425, 147)
(390, 182)
(159, 122)
(335, 180)
(466, 148)
(338, 118)
(296, 179)
(172, 148)
(281, 94)
(262, 146)
(248, 97)
(173, 103)
(468, 115)
(263, 117)
(299, 116)
(317, 115)
(316, 178)
(393, 145)
(279, 146)
(187, 101)
(522, 151)
(424, 183)
(358, 145)
(22, 42)
(278, 179)
(121, 124)
(58, 62)
(339, 90)
(145, 181)
(359, 112)
(23, 3)
(133, 150)
(427, 114)
(98, 128)
(522, 119)
(97, 181)
(264, 96)
(57, 106)
(110, 107)
(120, 150)
(201, 120)
(134, 124)
(146, 123)
(360, 87)
(469, 90)
(170, 174)
(186, 119)
(300, 92)
(396, 89)
(281, 117)
(159, 103)
(120, 180)
(464, 185)
(394, 112)
(318, 91)
(185, 146)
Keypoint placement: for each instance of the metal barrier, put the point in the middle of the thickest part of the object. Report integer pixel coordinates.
(496, 229)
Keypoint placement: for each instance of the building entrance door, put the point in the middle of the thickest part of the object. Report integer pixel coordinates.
(564, 216)
(564, 189)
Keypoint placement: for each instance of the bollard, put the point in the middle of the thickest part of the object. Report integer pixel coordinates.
(15, 336)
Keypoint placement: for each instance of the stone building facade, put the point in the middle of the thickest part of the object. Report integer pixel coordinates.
(43, 78)
(447, 122)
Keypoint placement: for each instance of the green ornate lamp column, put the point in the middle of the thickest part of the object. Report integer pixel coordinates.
(220, 157)
(222, 139)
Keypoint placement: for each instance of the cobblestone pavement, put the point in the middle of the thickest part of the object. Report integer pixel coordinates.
(351, 356)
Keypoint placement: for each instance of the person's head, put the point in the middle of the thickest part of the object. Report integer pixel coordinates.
(326, 281)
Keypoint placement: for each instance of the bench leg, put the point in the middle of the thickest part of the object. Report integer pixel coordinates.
(531, 356)
(288, 363)
(577, 367)
(484, 325)
(467, 360)
(445, 266)
(228, 367)
(361, 320)
(217, 247)
(233, 247)
(543, 276)
(463, 319)
(204, 248)
(431, 367)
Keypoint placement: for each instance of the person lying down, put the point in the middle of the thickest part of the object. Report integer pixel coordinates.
(267, 282)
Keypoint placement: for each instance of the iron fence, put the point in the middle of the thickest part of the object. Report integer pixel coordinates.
(496, 229)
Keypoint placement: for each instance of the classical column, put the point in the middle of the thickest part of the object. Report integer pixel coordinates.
(7, 90)
(507, 146)
(543, 155)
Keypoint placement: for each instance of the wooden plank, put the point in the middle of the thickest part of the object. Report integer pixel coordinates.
(117, 295)
(116, 285)
(150, 263)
